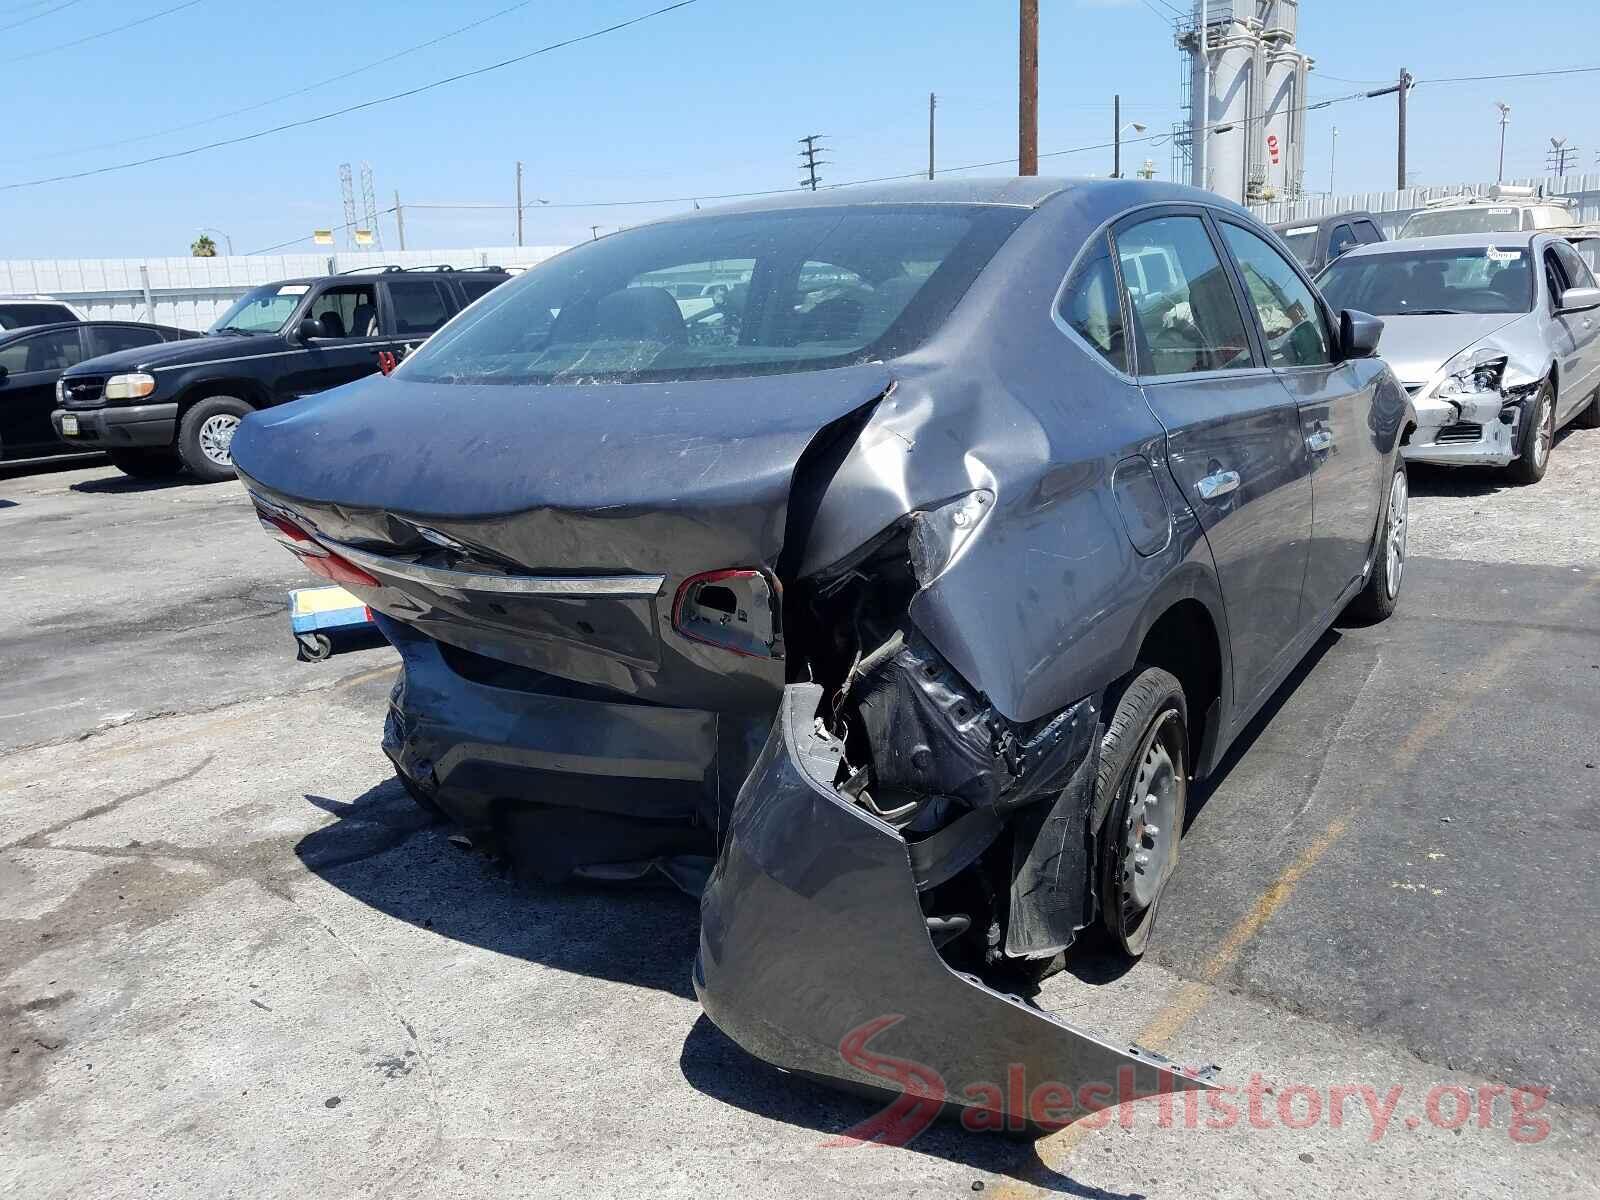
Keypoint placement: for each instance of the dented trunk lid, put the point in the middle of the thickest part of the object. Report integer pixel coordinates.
(550, 526)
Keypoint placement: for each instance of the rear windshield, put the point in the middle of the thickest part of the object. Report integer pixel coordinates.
(1462, 220)
(1479, 279)
(15, 316)
(1302, 241)
(711, 297)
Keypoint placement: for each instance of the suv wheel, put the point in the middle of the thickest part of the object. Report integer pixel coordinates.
(1144, 767)
(205, 436)
(1537, 435)
(145, 464)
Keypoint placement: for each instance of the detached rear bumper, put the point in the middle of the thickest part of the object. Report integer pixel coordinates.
(113, 428)
(556, 775)
(813, 945)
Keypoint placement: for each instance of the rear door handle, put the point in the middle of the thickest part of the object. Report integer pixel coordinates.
(1320, 440)
(1217, 484)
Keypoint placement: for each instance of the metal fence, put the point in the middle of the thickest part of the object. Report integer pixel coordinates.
(191, 293)
(1392, 208)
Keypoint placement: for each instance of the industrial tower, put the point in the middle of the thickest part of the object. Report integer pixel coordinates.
(1244, 87)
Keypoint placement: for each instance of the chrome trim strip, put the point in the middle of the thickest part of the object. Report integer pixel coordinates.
(343, 344)
(576, 586)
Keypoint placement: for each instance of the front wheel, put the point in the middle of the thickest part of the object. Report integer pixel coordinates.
(1537, 435)
(1377, 600)
(205, 436)
(1144, 768)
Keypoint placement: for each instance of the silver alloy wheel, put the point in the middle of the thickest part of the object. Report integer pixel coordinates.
(1150, 836)
(216, 438)
(1546, 434)
(1399, 495)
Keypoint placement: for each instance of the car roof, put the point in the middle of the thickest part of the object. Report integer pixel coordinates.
(1452, 241)
(1353, 214)
(9, 334)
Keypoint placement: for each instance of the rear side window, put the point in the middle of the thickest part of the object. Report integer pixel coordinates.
(123, 337)
(1291, 319)
(1340, 240)
(15, 316)
(1192, 323)
(418, 306)
(1090, 305)
(1368, 233)
(473, 288)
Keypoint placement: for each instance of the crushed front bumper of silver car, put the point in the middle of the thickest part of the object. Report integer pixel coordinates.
(1465, 434)
(815, 956)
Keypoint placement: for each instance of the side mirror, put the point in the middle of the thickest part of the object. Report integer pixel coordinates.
(306, 330)
(1358, 334)
(1579, 300)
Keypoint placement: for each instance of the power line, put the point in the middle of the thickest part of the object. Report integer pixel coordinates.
(1514, 75)
(36, 16)
(365, 104)
(103, 33)
(270, 100)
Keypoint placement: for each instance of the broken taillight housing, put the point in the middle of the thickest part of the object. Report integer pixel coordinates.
(736, 609)
(313, 555)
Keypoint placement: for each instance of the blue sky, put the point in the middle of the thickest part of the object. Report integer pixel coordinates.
(707, 99)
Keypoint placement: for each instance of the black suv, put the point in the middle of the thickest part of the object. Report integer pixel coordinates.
(158, 409)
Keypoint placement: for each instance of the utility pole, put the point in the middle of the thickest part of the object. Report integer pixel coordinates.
(399, 219)
(1202, 144)
(1333, 158)
(1556, 160)
(933, 102)
(1505, 119)
(594, 233)
(519, 203)
(1399, 92)
(809, 159)
(1116, 140)
(1028, 89)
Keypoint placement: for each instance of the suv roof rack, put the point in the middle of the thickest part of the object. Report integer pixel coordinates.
(381, 269)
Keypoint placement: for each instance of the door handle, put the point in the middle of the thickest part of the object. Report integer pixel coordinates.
(1320, 440)
(1217, 484)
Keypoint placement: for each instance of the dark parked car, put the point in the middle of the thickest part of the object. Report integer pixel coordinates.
(915, 578)
(157, 410)
(17, 311)
(1317, 241)
(32, 359)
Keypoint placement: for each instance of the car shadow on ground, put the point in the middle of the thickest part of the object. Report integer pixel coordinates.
(390, 855)
(116, 485)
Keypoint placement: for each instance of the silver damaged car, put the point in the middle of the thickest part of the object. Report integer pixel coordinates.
(1496, 337)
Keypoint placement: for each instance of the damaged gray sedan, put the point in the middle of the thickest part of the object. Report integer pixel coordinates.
(906, 551)
(1495, 335)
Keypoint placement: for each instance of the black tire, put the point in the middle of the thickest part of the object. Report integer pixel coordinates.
(207, 423)
(313, 647)
(1377, 600)
(1533, 455)
(1589, 415)
(1146, 743)
(146, 464)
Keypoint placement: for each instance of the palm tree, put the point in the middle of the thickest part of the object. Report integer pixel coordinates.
(203, 247)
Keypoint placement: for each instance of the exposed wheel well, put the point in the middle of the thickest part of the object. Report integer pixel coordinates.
(1184, 642)
(1405, 433)
(239, 389)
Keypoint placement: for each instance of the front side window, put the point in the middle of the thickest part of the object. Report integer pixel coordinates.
(1577, 271)
(1193, 322)
(1291, 320)
(1341, 240)
(347, 311)
(1090, 305)
(1444, 282)
(721, 297)
(54, 351)
(418, 306)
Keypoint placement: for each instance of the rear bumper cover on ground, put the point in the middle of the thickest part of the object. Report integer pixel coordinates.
(112, 428)
(813, 945)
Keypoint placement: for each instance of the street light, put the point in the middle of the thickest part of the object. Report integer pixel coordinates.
(227, 241)
(1116, 158)
(1505, 119)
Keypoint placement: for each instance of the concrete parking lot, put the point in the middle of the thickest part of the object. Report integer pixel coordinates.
(235, 959)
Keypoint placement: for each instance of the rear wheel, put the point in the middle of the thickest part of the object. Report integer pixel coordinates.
(1376, 601)
(205, 436)
(1144, 767)
(146, 464)
(1538, 434)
